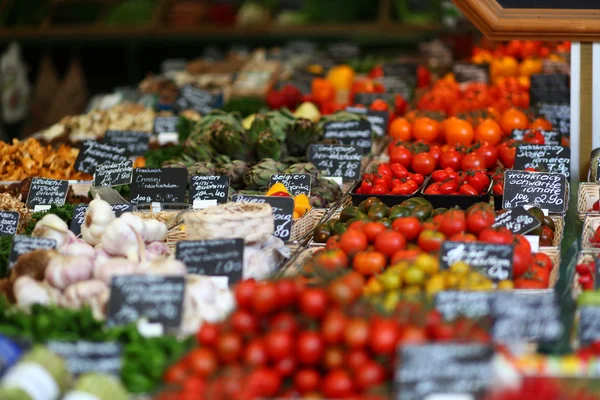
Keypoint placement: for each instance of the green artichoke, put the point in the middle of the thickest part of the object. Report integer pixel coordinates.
(327, 188)
(235, 170)
(228, 141)
(202, 168)
(304, 168)
(267, 146)
(259, 176)
(317, 201)
(276, 121)
(300, 135)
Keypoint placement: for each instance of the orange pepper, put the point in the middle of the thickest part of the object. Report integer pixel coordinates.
(323, 91)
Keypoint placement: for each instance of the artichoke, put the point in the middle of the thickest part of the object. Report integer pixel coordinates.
(327, 188)
(304, 168)
(198, 148)
(267, 146)
(235, 170)
(202, 168)
(276, 121)
(259, 176)
(317, 201)
(228, 141)
(300, 135)
(175, 164)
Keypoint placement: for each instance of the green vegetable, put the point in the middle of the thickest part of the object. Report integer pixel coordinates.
(156, 158)
(64, 212)
(5, 245)
(245, 105)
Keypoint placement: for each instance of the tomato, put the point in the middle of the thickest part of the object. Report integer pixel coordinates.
(507, 152)
(356, 333)
(307, 380)
(439, 175)
(410, 227)
(285, 322)
(309, 348)
(207, 334)
(332, 260)
(472, 161)
(313, 302)
(525, 282)
(333, 326)
(369, 262)
(244, 293)
(434, 188)
(265, 298)
(488, 131)
(435, 151)
(463, 237)
(286, 292)
(229, 347)
(356, 281)
(468, 190)
(451, 159)
(340, 292)
(333, 357)
(496, 235)
(453, 222)
(255, 353)
(479, 180)
(176, 373)
(443, 332)
(541, 123)
(522, 257)
(389, 241)
(383, 336)
(399, 169)
(479, 217)
(379, 105)
(337, 384)
(489, 153)
(449, 186)
(425, 129)
(430, 241)
(513, 119)
(400, 129)
(498, 188)
(405, 255)
(413, 335)
(279, 345)
(542, 260)
(244, 322)
(353, 241)
(423, 163)
(458, 131)
(369, 375)
(262, 382)
(534, 136)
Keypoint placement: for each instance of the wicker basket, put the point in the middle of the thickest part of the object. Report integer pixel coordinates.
(587, 195)
(583, 257)
(554, 254)
(559, 225)
(305, 225)
(252, 222)
(590, 223)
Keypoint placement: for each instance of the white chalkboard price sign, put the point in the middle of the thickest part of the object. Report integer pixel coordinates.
(494, 260)
(136, 143)
(83, 356)
(353, 133)
(164, 185)
(93, 154)
(471, 304)
(547, 158)
(443, 369)
(294, 183)
(589, 324)
(542, 189)
(23, 244)
(155, 297)
(46, 191)
(283, 211)
(517, 220)
(9, 222)
(218, 257)
(114, 174)
(209, 187)
(336, 160)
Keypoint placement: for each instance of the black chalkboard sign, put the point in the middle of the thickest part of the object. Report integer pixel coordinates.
(597, 273)
(336, 160)
(294, 183)
(165, 125)
(468, 72)
(353, 133)
(494, 260)
(589, 324)
(46, 191)
(209, 187)
(93, 154)
(109, 174)
(378, 119)
(558, 4)
(218, 257)
(83, 356)
(552, 88)
(9, 222)
(343, 51)
(394, 85)
(199, 100)
(136, 143)
(517, 220)
(526, 315)
(549, 158)
(283, 210)
(542, 189)
(155, 297)
(442, 368)
(550, 137)
(80, 210)
(23, 244)
(559, 115)
(367, 98)
(165, 185)
(405, 70)
(471, 304)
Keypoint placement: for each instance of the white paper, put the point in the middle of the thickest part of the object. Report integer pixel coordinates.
(41, 207)
(201, 204)
(149, 329)
(156, 207)
(534, 241)
(450, 396)
(222, 282)
(337, 179)
(167, 137)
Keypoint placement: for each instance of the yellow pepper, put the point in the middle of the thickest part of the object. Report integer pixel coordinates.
(341, 77)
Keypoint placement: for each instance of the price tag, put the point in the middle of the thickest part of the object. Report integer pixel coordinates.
(163, 185)
(467, 72)
(40, 208)
(114, 174)
(453, 303)
(589, 325)
(9, 222)
(294, 183)
(520, 316)
(83, 356)
(218, 257)
(494, 260)
(353, 133)
(80, 210)
(199, 100)
(550, 137)
(559, 115)
(156, 207)
(136, 143)
(283, 210)
(378, 119)
(552, 88)
(166, 138)
(202, 204)
(547, 158)
(46, 191)
(209, 187)
(517, 220)
(541, 189)
(22, 244)
(165, 125)
(429, 369)
(336, 160)
(93, 154)
(155, 297)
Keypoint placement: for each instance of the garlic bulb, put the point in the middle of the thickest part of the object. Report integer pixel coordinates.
(122, 239)
(97, 217)
(28, 292)
(115, 266)
(157, 250)
(77, 247)
(136, 223)
(101, 256)
(52, 227)
(63, 271)
(163, 266)
(155, 231)
(93, 293)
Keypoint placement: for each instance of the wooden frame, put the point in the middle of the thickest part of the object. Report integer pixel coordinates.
(498, 23)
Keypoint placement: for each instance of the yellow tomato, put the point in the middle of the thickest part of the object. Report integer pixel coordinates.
(373, 286)
(413, 276)
(450, 280)
(390, 280)
(506, 285)
(391, 300)
(460, 268)
(530, 66)
(435, 284)
(427, 263)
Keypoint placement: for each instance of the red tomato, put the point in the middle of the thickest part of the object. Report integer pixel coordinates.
(229, 347)
(405, 255)
(279, 344)
(472, 161)
(285, 322)
(337, 384)
(453, 222)
(413, 335)
(307, 381)
(522, 257)
(333, 358)
(489, 154)
(244, 322)
(401, 155)
(430, 241)
(313, 302)
(435, 151)
(255, 353)
(286, 292)
(463, 237)
(265, 299)
(176, 373)
(244, 293)
(356, 358)
(389, 241)
(542, 260)
(423, 164)
(479, 217)
(534, 136)
(372, 229)
(353, 241)
(496, 235)
(356, 333)
(384, 334)
(286, 366)
(439, 175)
(479, 180)
(410, 227)
(448, 187)
(451, 159)
(399, 171)
(507, 152)
(309, 348)
(369, 375)
(434, 188)
(468, 190)
(208, 334)
(340, 292)
(262, 382)
(333, 326)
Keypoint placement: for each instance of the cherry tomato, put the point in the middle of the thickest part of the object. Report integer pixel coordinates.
(448, 187)
(313, 302)
(307, 381)
(423, 164)
(309, 348)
